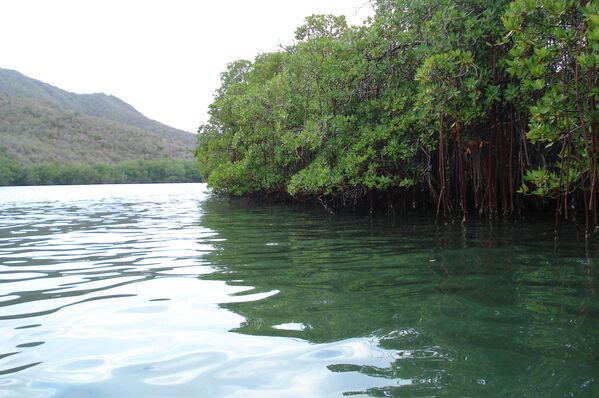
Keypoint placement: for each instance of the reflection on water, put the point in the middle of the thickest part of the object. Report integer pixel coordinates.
(481, 310)
(164, 290)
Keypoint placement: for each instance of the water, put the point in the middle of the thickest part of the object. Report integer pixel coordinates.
(166, 291)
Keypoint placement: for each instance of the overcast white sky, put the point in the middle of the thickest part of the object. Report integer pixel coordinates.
(163, 57)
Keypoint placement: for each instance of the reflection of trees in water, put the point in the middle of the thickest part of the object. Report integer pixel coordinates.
(474, 309)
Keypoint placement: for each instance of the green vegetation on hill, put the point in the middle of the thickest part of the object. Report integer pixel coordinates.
(34, 132)
(460, 106)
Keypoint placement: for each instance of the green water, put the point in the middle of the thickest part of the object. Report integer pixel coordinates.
(168, 291)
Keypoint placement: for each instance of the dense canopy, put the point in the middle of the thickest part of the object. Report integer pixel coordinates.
(460, 106)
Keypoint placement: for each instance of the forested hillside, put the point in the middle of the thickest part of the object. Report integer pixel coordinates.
(462, 107)
(33, 131)
(100, 105)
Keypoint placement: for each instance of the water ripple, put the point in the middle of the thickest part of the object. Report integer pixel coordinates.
(163, 290)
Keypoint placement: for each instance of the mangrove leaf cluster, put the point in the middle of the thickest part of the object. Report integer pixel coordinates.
(461, 106)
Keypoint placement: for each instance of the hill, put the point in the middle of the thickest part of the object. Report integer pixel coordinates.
(43, 123)
(100, 105)
(33, 131)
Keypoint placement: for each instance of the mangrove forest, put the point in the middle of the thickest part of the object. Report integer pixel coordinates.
(460, 107)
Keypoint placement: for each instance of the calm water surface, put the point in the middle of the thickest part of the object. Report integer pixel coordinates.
(166, 291)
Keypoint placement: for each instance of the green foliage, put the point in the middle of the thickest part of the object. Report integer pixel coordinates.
(136, 171)
(553, 58)
(544, 182)
(444, 102)
(317, 26)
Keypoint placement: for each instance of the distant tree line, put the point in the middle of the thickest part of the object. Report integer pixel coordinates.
(459, 106)
(135, 171)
